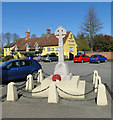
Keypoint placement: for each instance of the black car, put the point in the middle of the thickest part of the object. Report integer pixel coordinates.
(50, 58)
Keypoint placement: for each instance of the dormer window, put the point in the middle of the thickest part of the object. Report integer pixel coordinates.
(15, 47)
(36, 45)
(27, 46)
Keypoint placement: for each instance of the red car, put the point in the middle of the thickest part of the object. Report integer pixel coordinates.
(81, 58)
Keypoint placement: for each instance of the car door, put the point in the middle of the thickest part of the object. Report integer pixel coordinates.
(101, 58)
(14, 70)
(25, 68)
(87, 58)
(83, 57)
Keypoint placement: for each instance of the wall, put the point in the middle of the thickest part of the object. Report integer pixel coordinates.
(109, 55)
(44, 52)
(7, 51)
(70, 42)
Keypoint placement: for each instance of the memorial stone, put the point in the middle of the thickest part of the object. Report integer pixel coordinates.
(61, 67)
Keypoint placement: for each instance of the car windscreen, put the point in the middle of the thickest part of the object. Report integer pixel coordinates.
(77, 56)
(45, 56)
(4, 64)
(94, 56)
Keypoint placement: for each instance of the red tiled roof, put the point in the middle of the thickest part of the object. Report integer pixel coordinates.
(42, 41)
(9, 45)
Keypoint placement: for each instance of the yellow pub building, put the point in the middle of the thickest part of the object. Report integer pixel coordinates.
(47, 44)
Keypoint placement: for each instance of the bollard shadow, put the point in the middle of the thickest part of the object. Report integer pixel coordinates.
(109, 90)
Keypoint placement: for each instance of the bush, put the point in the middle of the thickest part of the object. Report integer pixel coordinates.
(53, 53)
(7, 58)
(65, 57)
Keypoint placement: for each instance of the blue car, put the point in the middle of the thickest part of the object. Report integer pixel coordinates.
(97, 58)
(19, 69)
(29, 57)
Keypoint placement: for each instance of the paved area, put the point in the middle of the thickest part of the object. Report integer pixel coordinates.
(39, 108)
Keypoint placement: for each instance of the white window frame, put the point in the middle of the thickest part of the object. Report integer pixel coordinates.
(27, 46)
(56, 49)
(48, 49)
(16, 47)
(71, 49)
(36, 46)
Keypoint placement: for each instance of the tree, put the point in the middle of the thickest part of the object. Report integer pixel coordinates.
(91, 26)
(103, 43)
(43, 35)
(15, 37)
(7, 38)
(82, 43)
(33, 36)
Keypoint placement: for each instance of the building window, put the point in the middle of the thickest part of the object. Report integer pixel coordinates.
(71, 49)
(6, 54)
(52, 49)
(57, 49)
(5, 49)
(27, 46)
(36, 45)
(48, 49)
(9, 49)
(16, 47)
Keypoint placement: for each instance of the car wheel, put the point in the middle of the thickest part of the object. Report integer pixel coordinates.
(105, 60)
(50, 60)
(35, 75)
(82, 61)
(98, 61)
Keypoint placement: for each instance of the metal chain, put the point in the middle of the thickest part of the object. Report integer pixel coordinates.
(20, 84)
(72, 74)
(45, 73)
(75, 95)
(36, 91)
(34, 97)
(78, 100)
(85, 75)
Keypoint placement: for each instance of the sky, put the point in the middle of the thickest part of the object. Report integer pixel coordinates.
(18, 17)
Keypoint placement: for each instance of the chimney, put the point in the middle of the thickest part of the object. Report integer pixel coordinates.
(27, 34)
(48, 31)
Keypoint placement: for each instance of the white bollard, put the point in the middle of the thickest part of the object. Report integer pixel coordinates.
(52, 94)
(97, 81)
(30, 82)
(101, 95)
(12, 94)
(94, 76)
(40, 75)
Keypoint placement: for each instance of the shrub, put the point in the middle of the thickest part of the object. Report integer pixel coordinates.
(7, 58)
(65, 57)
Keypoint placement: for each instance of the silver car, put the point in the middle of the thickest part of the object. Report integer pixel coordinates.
(49, 58)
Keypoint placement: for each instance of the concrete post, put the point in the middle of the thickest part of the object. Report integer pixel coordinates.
(52, 94)
(101, 95)
(94, 76)
(40, 75)
(30, 82)
(12, 94)
(97, 81)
